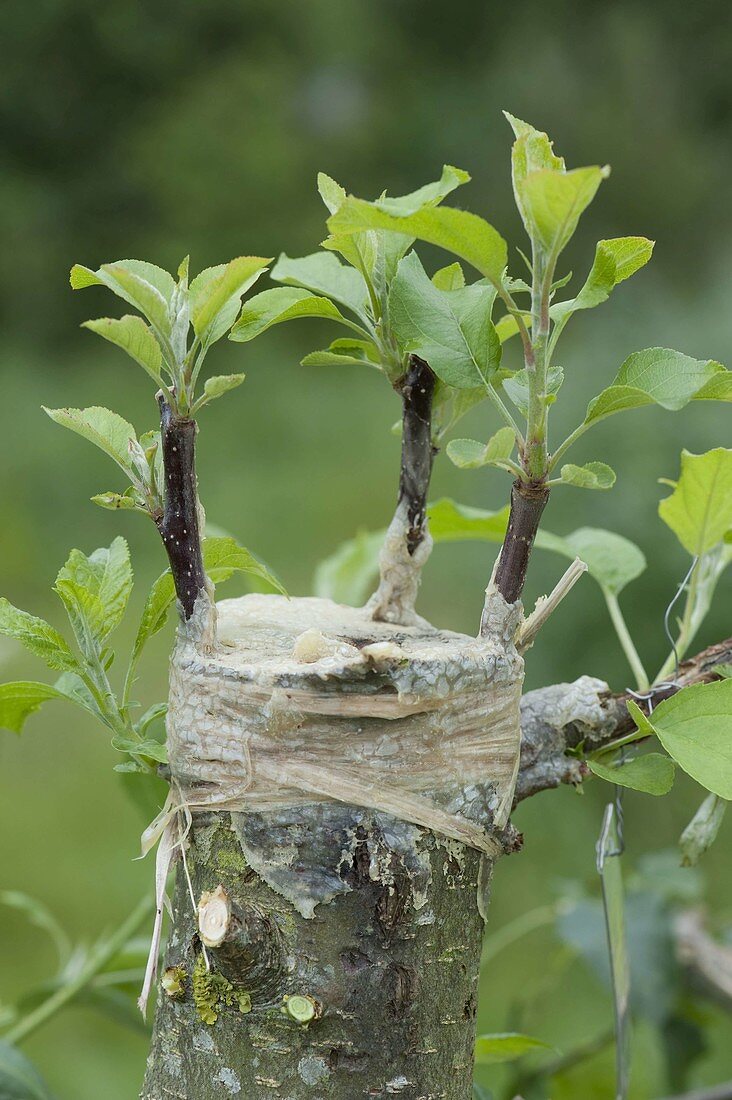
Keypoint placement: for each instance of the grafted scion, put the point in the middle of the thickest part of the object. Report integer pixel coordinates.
(417, 388)
(179, 526)
(528, 501)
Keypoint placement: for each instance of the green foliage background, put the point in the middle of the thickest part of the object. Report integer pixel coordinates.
(153, 130)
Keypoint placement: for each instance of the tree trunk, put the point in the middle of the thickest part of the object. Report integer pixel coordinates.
(351, 783)
(389, 970)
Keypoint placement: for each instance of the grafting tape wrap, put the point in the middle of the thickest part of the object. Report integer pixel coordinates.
(305, 700)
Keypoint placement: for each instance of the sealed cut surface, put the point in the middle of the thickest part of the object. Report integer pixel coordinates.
(261, 632)
(305, 699)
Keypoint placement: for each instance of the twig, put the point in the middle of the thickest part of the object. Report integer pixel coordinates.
(545, 605)
(559, 718)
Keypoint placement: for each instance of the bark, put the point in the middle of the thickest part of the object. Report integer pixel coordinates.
(418, 451)
(407, 545)
(528, 501)
(179, 525)
(390, 967)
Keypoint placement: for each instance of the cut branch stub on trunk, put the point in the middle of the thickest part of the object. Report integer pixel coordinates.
(407, 545)
(244, 943)
(179, 525)
(348, 798)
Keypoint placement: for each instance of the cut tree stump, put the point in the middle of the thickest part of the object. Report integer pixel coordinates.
(350, 783)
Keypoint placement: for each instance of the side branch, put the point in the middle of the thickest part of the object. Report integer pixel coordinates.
(179, 526)
(557, 719)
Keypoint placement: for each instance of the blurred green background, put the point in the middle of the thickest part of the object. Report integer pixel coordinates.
(152, 130)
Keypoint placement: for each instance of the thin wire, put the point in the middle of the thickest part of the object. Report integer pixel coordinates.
(669, 609)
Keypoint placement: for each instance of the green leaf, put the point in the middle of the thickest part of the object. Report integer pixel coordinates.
(38, 636)
(593, 475)
(332, 194)
(507, 326)
(215, 295)
(104, 429)
(468, 454)
(21, 699)
(553, 202)
(221, 384)
(147, 747)
(531, 151)
(222, 557)
(428, 195)
(653, 773)
(702, 830)
(725, 671)
(699, 511)
(451, 522)
(128, 283)
(615, 260)
(451, 330)
(95, 591)
(272, 307)
(451, 277)
(517, 387)
(73, 688)
(664, 377)
(19, 1078)
(347, 575)
(344, 353)
(161, 280)
(322, 273)
(457, 231)
(159, 600)
(132, 335)
(695, 728)
(612, 560)
(449, 406)
(505, 1047)
(115, 501)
